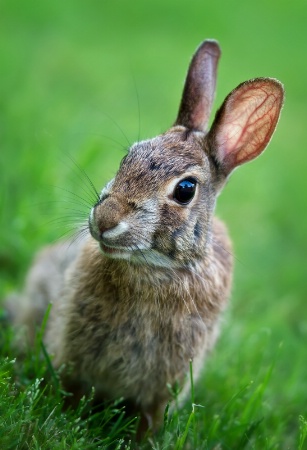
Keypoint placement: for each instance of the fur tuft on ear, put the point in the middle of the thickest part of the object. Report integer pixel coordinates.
(199, 88)
(245, 123)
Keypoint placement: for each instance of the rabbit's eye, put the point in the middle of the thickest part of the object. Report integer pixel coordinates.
(185, 190)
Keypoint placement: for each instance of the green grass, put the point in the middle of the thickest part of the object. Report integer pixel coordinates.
(73, 75)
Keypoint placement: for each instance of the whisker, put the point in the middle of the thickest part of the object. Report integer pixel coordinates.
(118, 127)
(138, 106)
(77, 213)
(72, 234)
(104, 136)
(68, 202)
(84, 178)
(76, 210)
(87, 196)
(72, 202)
(66, 235)
(86, 202)
(64, 222)
(137, 247)
(79, 236)
(215, 242)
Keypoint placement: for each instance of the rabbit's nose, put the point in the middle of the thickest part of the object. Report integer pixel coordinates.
(103, 230)
(109, 214)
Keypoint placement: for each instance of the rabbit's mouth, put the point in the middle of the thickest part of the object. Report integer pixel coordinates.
(114, 252)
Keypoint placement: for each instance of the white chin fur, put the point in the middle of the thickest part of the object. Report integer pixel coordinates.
(153, 258)
(142, 257)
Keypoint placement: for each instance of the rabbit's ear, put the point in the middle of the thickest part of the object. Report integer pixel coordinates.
(245, 123)
(199, 88)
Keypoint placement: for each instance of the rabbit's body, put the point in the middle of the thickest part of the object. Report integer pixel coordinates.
(129, 330)
(44, 285)
(141, 297)
(130, 335)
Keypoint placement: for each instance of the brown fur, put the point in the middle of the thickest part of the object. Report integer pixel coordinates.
(141, 297)
(130, 336)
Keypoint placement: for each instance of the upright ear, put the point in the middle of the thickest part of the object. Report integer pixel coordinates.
(244, 124)
(199, 88)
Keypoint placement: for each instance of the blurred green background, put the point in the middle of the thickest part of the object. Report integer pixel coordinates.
(86, 77)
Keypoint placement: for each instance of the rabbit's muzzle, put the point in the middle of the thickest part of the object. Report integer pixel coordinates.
(109, 214)
(108, 226)
(106, 220)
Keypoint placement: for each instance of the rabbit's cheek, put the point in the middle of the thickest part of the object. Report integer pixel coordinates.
(172, 215)
(197, 231)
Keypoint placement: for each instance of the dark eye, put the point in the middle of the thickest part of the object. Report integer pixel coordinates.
(185, 190)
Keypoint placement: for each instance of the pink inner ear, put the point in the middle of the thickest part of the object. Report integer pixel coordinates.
(247, 121)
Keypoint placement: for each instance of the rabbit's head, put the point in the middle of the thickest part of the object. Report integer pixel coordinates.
(158, 208)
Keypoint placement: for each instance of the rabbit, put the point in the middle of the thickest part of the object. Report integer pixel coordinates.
(142, 295)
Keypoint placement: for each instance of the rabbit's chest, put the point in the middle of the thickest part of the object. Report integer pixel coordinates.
(137, 348)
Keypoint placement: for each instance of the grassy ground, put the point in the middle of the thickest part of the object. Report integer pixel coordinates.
(73, 75)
